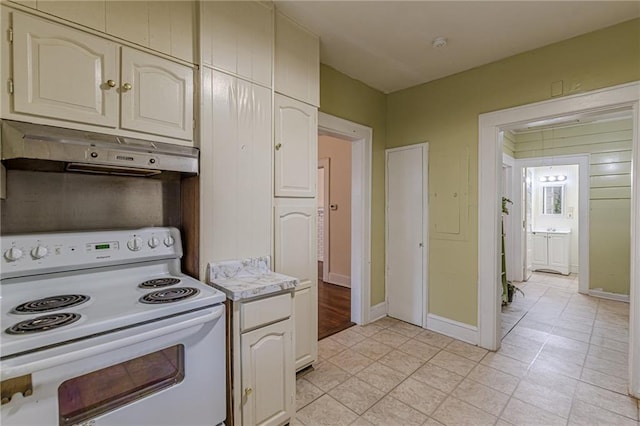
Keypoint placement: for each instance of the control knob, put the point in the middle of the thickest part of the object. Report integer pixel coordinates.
(169, 241)
(39, 252)
(13, 254)
(153, 242)
(135, 244)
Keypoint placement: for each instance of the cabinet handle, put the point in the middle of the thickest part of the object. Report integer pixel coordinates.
(127, 86)
(111, 83)
(278, 146)
(248, 391)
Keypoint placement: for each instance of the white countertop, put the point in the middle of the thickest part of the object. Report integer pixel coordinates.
(248, 278)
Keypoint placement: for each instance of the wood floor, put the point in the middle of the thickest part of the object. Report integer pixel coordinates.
(334, 307)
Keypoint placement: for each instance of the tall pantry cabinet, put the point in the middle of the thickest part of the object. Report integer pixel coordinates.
(258, 153)
(297, 96)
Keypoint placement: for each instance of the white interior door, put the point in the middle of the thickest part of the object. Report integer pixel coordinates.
(406, 238)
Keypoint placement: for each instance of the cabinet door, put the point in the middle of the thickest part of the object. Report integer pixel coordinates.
(296, 149)
(297, 61)
(63, 73)
(236, 176)
(539, 249)
(238, 38)
(268, 375)
(295, 239)
(305, 320)
(558, 252)
(157, 95)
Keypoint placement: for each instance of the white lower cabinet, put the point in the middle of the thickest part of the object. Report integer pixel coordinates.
(551, 251)
(305, 318)
(263, 382)
(296, 255)
(268, 382)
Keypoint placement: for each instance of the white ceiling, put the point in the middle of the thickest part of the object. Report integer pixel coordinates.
(387, 44)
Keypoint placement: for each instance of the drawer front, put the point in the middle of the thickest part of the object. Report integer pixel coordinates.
(265, 311)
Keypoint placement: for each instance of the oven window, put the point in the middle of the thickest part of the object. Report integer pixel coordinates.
(98, 392)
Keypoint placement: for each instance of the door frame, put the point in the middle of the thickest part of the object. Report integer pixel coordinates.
(489, 186)
(361, 153)
(425, 224)
(325, 163)
(583, 163)
(508, 171)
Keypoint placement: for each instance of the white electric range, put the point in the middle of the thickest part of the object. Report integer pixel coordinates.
(103, 328)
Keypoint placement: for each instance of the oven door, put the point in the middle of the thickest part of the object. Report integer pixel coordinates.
(168, 372)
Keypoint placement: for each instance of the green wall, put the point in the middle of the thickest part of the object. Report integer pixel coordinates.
(352, 100)
(445, 114)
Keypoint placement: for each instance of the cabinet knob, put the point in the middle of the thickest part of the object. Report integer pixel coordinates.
(248, 391)
(111, 83)
(127, 86)
(278, 146)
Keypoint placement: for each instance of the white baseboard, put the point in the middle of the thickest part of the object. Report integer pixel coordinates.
(378, 311)
(608, 295)
(574, 269)
(337, 279)
(457, 330)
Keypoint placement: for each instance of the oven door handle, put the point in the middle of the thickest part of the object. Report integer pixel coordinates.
(9, 371)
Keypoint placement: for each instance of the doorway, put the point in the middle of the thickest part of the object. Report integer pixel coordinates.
(334, 235)
(361, 139)
(490, 124)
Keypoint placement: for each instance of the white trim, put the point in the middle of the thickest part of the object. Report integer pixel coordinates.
(584, 186)
(338, 279)
(489, 150)
(634, 287)
(608, 295)
(378, 311)
(362, 138)
(457, 330)
(325, 163)
(510, 222)
(425, 223)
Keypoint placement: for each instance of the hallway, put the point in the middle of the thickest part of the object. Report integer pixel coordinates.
(564, 362)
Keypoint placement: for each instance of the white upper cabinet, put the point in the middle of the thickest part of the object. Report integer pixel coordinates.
(164, 26)
(157, 95)
(237, 37)
(296, 148)
(297, 61)
(63, 73)
(62, 76)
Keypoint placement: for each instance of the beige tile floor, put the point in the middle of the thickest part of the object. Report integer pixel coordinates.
(563, 361)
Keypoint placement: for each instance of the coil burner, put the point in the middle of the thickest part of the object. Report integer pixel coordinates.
(170, 295)
(43, 323)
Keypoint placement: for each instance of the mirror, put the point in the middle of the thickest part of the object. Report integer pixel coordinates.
(553, 199)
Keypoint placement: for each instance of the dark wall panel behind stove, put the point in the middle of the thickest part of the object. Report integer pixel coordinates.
(47, 202)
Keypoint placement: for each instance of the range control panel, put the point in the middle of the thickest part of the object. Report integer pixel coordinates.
(29, 254)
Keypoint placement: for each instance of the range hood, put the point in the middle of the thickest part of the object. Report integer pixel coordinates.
(47, 148)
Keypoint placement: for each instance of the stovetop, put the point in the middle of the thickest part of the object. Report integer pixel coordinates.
(98, 299)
